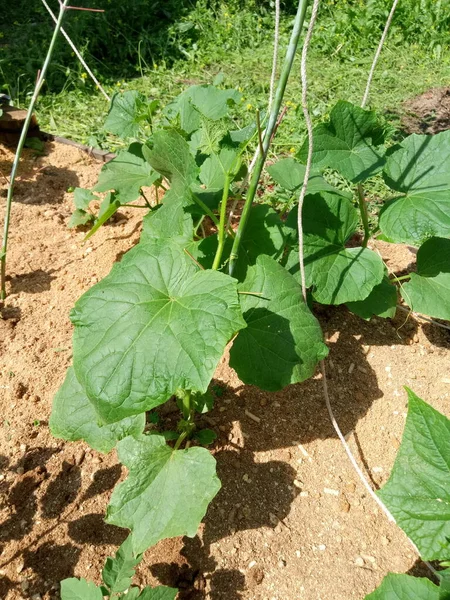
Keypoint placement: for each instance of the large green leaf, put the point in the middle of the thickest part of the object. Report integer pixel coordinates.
(169, 154)
(74, 418)
(125, 114)
(405, 587)
(153, 325)
(282, 342)
(428, 291)
(382, 302)
(126, 174)
(419, 169)
(119, 571)
(351, 142)
(166, 493)
(289, 174)
(79, 589)
(418, 491)
(337, 274)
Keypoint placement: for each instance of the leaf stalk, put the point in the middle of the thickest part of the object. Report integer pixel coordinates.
(364, 214)
(223, 222)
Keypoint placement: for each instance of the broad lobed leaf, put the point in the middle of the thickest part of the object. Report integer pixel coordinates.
(337, 274)
(282, 342)
(419, 169)
(166, 493)
(126, 174)
(405, 587)
(74, 418)
(428, 290)
(418, 493)
(351, 142)
(153, 325)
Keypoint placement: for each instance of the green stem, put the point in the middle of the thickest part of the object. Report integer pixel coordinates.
(364, 214)
(180, 440)
(206, 210)
(401, 278)
(23, 137)
(271, 125)
(223, 222)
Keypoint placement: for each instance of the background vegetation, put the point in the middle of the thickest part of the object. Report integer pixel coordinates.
(161, 46)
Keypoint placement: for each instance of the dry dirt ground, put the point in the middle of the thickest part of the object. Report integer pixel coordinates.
(292, 521)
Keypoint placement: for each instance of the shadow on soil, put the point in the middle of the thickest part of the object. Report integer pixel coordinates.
(254, 495)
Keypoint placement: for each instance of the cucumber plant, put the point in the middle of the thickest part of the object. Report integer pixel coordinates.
(418, 496)
(157, 325)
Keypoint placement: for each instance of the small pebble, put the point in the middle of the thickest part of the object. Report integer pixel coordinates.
(246, 478)
(359, 561)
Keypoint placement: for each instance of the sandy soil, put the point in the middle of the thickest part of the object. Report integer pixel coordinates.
(292, 522)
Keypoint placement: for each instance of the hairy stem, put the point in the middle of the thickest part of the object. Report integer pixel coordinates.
(23, 137)
(223, 222)
(364, 214)
(287, 67)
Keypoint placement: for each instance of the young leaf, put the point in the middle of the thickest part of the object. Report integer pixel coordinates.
(418, 493)
(211, 102)
(382, 302)
(205, 437)
(206, 140)
(203, 402)
(126, 174)
(80, 217)
(405, 587)
(283, 340)
(289, 174)
(158, 593)
(125, 114)
(428, 291)
(119, 571)
(351, 143)
(166, 493)
(338, 274)
(82, 198)
(154, 324)
(74, 418)
(171, 157)
(419, 169)
(216, 166)
(80, 589)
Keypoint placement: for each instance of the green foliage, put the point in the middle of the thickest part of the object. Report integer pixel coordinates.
(405, 587)
(351, 143)
(417, 496)
(419, 170)
(156, 323)
(166, 493)
(428, 291)
(126, 175)
(417, 492)
(74, 418)
(282, 341)
(117, 575)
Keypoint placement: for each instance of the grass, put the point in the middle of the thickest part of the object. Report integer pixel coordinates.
(402, 73)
